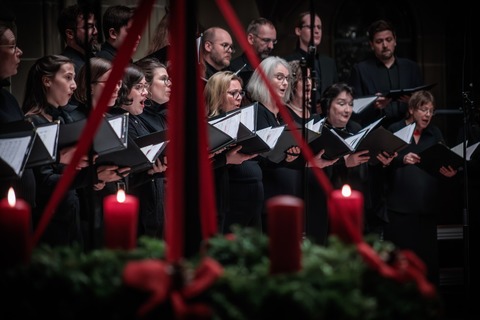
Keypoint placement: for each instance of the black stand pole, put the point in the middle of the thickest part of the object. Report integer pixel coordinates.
(303, 67)
(88, 6)
(467, 107)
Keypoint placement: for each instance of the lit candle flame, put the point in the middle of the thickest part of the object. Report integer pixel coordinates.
(346, 191)
(11, 197)
(121, 196)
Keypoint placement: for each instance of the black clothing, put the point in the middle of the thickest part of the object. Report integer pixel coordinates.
(77, 57)
(149, 189)
(414, 202)
(107, 51)
(241, 65)
(154, 116)
(210, 70)
(325, 70)
(161, 55)
(10, 111)
(371, 76)
(64, 228)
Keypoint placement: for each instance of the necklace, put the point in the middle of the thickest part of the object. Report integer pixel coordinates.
(299, 110)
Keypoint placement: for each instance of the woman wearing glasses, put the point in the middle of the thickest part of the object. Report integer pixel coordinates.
(278, 71)
(413, 198)
(10, 110)
(238, 179)
(146, 185)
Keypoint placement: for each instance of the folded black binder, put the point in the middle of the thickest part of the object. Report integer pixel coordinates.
(222, 131)
(140, 154)
(15, 148)
(379, 140)
(217, 139)
(438, 155)
(112, 135)
(397, 93)
(44, 148)
(286, 141)
(262, 141)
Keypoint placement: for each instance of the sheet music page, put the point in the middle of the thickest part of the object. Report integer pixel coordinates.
(406, 132)
(117, 126)
(13, 150)
(458, 149)
(354, 140)
(48, 135)
(151, 151)
(229, 125)
(270, 135)
(361, 103)
(247, 117)
(317, 127)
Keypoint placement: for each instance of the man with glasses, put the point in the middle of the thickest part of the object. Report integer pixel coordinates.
(325, 73)
(262, 36)
(217, 50)
(71, 26)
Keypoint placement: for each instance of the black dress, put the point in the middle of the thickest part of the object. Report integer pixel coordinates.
(414, 202)
(149, 189)
(24, 187)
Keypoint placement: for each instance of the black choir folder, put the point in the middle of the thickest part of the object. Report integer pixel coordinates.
(238, 127)
(112, 135)
(15, 149)
(440, 155)
(223, 131)
(43, 149)
(395, 94)
(328, 139)
(378, 139)
(140, 154)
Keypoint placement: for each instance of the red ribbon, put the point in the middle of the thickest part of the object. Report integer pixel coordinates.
(406, 267)
(240, 35)
(156, 277)
(120, 62)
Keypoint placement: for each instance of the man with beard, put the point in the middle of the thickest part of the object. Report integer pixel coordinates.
(71, 26)
(262, 36)
(381, 73)
(217, 49)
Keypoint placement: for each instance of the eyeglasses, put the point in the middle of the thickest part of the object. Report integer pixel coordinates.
(427, 111)
(105, 81)
(317, 26)
(266, 40)
(237, 93)
(10, 46)
(227, 46)
(141, 86)
(166, 80)
(280, 77)
(90, 26)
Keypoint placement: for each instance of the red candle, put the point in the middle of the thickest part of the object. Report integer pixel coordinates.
(120, 214)
(284, 215)
(346, 214)
(15, 230)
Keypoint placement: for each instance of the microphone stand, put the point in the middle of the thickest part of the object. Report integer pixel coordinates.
(92, 178)
(467, 106)
(303, 67)
(308, 64)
